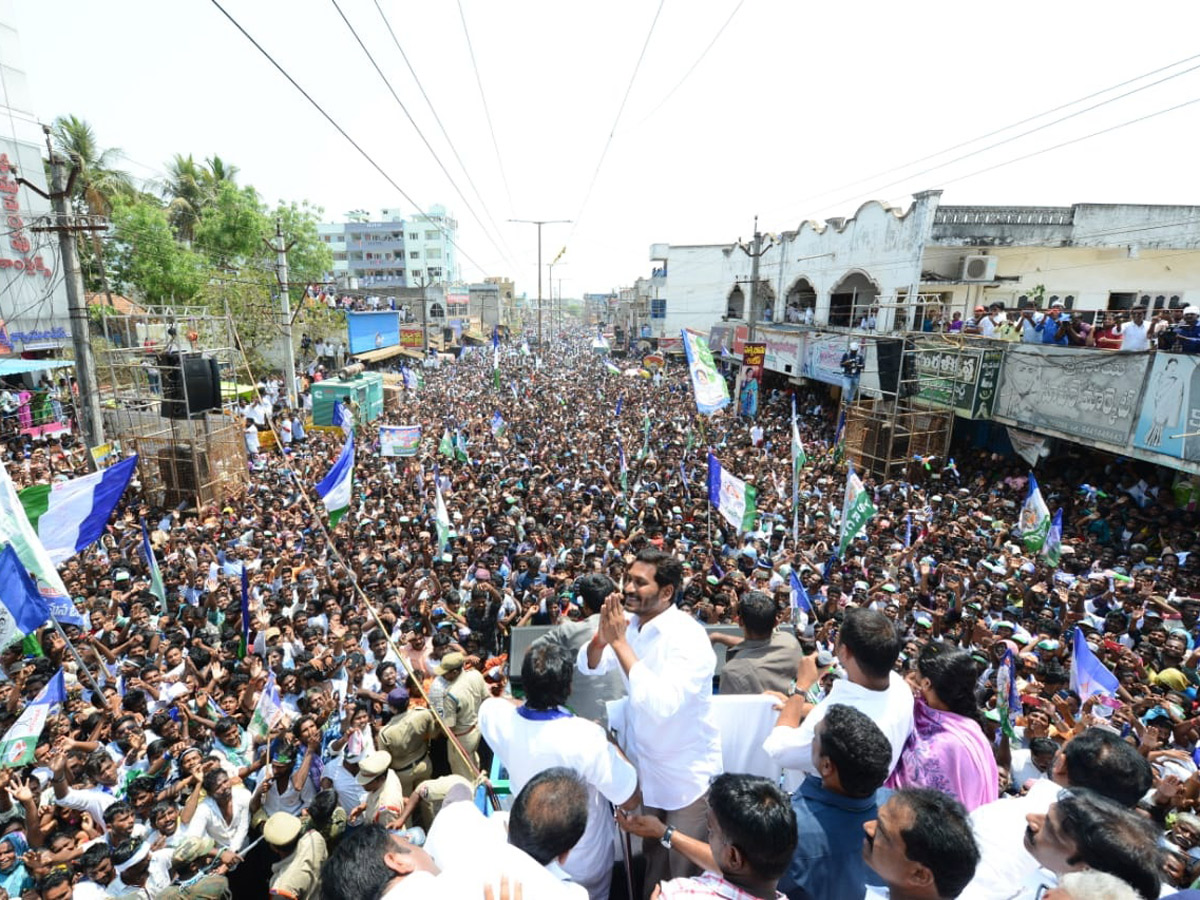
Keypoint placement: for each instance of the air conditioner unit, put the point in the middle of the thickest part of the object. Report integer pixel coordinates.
(979, 268)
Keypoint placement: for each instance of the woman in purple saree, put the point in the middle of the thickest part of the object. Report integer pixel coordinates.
(947, 750)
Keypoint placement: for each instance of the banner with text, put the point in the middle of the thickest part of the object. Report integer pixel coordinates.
(1078, 392)
(963, 380)
(753, 356)
(399, 440)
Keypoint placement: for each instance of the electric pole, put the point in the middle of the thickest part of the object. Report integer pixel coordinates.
(90, 418)
(281, 274)
(539, 223)
(755, 255)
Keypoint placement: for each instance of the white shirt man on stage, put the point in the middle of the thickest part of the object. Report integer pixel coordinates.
(867, 647)
(543, 734)
(666, 725)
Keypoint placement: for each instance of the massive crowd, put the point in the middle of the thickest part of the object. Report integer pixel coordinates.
(883, 710)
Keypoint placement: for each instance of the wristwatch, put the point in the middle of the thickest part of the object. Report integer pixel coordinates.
(665, 840)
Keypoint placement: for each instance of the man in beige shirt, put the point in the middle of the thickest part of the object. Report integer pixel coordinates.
(466, 692)
(406, 737)
(384, 794)
(297, 875)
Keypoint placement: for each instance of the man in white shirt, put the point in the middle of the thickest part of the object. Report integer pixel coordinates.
(867, 648)
(666, 725)
(1097, 759)
(1135, 334)
(543, 734)
(224, 815)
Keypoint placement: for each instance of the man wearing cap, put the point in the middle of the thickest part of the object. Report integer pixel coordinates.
(974, 325)
(297, 874)
(666, 725)
(406, 738)
(384, 794)
(465, 693)
(188, 864)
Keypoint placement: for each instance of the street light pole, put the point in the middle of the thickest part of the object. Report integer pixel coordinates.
(539, 223)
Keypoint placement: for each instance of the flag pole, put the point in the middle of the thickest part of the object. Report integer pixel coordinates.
(78, 659)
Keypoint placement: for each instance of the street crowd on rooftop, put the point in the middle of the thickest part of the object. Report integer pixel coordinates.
(859, 748)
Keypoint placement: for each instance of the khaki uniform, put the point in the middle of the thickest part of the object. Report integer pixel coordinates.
(464, 696)
(298, 877)
(406, 737)
(387, 799)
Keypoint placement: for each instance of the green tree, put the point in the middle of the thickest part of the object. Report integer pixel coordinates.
(309, 259)
(232, 227)
(184, 191)
(147, 261)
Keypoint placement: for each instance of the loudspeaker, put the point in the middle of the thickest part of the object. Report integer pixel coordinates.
(448, 335)
(191, 384)
(890, 356)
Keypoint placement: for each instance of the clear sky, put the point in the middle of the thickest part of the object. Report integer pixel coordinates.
(793, 114)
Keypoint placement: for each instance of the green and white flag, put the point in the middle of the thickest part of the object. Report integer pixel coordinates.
(337, 488)
(460, 447)
(268, 710)
(857, 510)
(442, 519)
(71, 515)
(1034, 521)
(16, 749)
(734, 499)
(446, 445)
(1052, 550)
(16, 530)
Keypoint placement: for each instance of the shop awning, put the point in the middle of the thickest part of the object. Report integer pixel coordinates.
(477, 336)
(21, 366)
(412, 354)
(374, 356)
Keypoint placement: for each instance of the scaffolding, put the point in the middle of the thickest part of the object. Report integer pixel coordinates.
(903, 412)
(172, 396)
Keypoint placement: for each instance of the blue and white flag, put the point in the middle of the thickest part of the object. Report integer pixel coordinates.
(16, 749)
(337, 487)
(908, 530)
(1088, 674)
(734, 499)
(342, 417)
(1034, 522)
(708, 385)
(1052, 551)
(620, 403)
(22, 608)
(156, 581)
(498, 424)
(268, 710)
(71, 515)
(800, 598)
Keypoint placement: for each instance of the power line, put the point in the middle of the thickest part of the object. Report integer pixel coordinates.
(693, 67)
(1005, 128)
(453, 149)
(620, 109)
(420, 133)
(340, 130)
(486, 111)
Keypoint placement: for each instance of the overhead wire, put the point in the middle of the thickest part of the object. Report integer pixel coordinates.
(692, 68)
(613, 130)
(445, 134)
(342, 131)
(486, 110)
(1009, 127)
(421, 134)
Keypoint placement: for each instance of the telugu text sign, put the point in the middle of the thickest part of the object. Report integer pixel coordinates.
(1078, 392)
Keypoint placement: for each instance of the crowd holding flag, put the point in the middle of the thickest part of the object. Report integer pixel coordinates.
(1008, 702)
(15, 531)
(342, 417)
(267, 711)
(1052, 551)
(156, 580)
(800, 599)
(22, 608)
(498, 424)
(1034, 521)
(337, 487)
(856, 510)
(441, 518)
(71, 515)
(734, 499)
(21, 739)
(1088, 675)
(446, 445)
(244, 645)
(708, 385)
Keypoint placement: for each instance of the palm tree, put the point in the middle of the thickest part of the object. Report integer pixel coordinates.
(186, 193)
(218, 170)
(97, 184)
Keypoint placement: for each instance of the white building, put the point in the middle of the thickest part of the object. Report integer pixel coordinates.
(898, 266)
(33, 296)
(392, 250)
